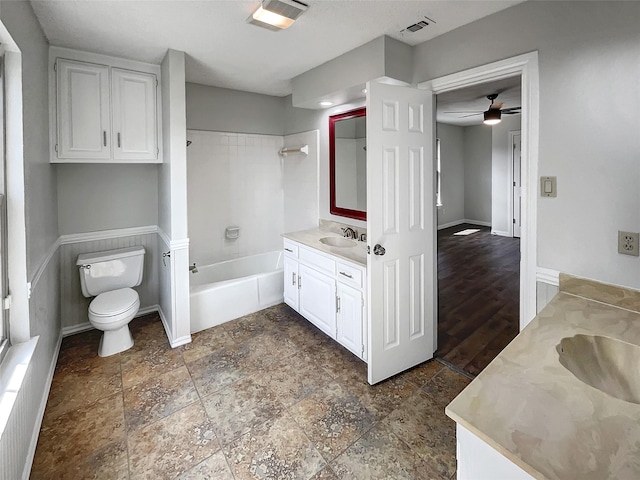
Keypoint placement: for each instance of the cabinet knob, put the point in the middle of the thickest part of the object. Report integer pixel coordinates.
(379, 250)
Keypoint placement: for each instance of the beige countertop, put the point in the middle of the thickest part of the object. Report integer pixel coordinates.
(311, 238)
(536, 413)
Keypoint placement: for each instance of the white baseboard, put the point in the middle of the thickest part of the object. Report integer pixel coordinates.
(79, 328)
(450, 224)
(548, 276)
(173, 342)
(464, 220)
(500, 233)
(83, 327)
(477, 222)
(31, 452)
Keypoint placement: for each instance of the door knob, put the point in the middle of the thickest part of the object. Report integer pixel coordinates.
(379, 250)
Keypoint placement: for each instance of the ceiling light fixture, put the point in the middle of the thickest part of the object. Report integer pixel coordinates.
(325, 103)
(277, 14)
(492, 116)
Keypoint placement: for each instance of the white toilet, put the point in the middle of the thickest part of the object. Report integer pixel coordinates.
(109, 276)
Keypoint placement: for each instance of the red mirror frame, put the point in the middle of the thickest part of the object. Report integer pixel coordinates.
(333, 208)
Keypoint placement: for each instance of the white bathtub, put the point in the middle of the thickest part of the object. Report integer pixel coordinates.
(227, 290)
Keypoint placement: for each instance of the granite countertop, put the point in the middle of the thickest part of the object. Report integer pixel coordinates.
(311, 238)
(537, 414)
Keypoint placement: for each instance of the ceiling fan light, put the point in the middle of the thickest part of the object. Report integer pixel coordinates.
(492, 116)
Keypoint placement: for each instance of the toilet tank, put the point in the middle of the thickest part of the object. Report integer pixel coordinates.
(109, 270)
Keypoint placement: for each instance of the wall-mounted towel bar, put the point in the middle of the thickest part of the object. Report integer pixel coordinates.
(287, 150)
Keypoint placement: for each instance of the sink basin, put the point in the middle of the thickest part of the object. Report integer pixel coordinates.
(338, 242)
(604, 363)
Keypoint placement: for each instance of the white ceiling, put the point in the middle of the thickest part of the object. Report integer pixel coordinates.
(225, 51)
(474, 99)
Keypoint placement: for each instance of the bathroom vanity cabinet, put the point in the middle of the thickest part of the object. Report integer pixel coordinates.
(103, 109)
(328, 291)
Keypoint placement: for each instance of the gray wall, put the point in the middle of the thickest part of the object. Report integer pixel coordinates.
(452, 173)
(477, 173)
(42, 231)
(588, 57)
(299, 120)
(94, 197)
(223, 110)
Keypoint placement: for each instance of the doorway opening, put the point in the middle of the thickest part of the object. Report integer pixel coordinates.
(478, 241)
(525, 68)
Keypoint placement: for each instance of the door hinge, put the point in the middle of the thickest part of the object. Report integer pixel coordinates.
(157, 82)
(362, 301)
(55, 66)
(337, 306)
(6, 302)
(514, 221)
(362, 351)
(55, 147)
(514, 184)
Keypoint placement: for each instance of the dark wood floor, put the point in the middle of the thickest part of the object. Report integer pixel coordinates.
(478, 296)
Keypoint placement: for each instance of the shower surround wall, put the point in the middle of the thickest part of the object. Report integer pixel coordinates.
(234, 179)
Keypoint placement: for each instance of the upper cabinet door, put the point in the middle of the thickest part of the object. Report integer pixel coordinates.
(83, 110)
(134, 115)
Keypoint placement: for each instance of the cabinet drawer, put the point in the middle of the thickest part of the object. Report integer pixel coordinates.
(349, 275)
(290, 249)
(317, 260)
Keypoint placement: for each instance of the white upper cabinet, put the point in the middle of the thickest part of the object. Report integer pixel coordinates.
(103, 109)
(134, 115)
(84, 129)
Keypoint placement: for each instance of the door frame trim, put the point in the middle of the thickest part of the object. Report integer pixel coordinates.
(526, 66)
(510, 174)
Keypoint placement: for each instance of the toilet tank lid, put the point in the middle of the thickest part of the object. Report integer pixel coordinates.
(106, 255)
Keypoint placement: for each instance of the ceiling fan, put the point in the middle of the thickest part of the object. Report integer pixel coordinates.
(494, 114)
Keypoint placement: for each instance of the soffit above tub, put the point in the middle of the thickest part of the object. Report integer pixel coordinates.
(225, 51)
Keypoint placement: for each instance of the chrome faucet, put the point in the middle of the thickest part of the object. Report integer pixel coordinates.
(193, 268)
(349, 232)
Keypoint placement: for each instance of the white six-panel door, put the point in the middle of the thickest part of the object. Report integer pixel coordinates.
(400, 229)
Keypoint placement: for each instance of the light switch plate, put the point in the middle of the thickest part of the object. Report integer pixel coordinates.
(548, 187)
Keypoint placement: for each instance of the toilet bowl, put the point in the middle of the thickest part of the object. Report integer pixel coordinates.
(111, 312)
(108, 276)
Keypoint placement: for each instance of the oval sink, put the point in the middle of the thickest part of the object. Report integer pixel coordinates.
(604, 363)
(338, 242)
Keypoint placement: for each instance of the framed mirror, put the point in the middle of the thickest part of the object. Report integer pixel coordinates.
(348, 164)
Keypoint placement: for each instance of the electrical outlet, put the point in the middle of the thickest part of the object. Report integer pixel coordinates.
(628, 243)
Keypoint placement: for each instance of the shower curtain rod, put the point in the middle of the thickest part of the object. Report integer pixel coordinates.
(286, 150)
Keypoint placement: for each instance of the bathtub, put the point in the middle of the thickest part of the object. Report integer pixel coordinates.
(228, 290)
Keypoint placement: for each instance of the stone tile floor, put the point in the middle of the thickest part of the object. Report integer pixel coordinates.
(266, 396)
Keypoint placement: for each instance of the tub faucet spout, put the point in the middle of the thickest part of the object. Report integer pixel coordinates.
(193, 268)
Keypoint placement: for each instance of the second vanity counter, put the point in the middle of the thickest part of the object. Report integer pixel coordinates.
(535, 412)
(311, 238)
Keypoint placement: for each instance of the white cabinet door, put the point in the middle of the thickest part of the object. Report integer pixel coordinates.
(318, 299)
(83, 110)
(349, 324)
(291, 282)
(134, 115)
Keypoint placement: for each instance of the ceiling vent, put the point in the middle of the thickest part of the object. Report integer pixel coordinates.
(417, 26)
(277, 14)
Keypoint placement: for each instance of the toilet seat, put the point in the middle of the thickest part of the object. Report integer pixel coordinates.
(110, 307)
